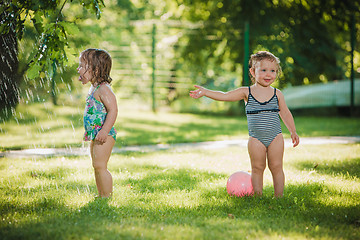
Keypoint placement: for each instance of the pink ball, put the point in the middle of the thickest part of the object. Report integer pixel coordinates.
(239, 184)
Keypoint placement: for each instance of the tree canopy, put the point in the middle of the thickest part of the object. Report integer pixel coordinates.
(311, 37)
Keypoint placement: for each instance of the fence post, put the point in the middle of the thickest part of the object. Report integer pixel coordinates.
(246, 55)
(153, 68)
(352, 41)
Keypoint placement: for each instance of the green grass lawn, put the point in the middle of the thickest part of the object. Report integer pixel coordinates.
(45, 125)
(182, 195)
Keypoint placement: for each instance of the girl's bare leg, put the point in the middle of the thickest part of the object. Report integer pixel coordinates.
(100, 154)
(275, 155)
(257, 153)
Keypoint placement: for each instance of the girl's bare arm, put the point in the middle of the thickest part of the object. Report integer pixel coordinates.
(234, 95)
(287, 118)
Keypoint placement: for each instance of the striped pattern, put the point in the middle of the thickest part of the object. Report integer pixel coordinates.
(263, 118)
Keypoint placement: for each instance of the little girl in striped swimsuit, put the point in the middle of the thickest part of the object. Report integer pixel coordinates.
(263, 106)
(100, 114)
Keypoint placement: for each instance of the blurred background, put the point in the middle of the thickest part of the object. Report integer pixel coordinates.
(161, 48)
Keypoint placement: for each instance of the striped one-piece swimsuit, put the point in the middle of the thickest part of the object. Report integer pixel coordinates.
(263, 118)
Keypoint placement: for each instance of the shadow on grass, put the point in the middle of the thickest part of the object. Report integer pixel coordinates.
(302, 212)
(348, 168)
(153, 132)
(156, 179)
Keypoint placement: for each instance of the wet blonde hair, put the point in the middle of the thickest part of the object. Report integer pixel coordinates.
(99, 62)
(264, 55)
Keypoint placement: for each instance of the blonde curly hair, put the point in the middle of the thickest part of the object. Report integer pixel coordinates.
(264, 55)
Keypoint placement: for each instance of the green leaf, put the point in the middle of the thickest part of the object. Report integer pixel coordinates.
(38, 22)
(33, 71)
(70, 28)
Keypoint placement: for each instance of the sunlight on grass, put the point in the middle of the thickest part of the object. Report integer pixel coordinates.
(181, 195)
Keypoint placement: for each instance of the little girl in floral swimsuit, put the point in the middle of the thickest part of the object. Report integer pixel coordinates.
(94, 116)
(100, 114)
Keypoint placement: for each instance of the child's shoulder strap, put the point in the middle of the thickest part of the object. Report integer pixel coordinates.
(97, 87)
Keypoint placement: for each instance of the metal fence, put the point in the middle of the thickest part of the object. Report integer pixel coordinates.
(146, 61)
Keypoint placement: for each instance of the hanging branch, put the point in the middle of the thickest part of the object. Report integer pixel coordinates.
(53, 40)
(42, 44)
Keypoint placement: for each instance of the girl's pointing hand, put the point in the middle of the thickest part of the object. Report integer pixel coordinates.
(198, 93)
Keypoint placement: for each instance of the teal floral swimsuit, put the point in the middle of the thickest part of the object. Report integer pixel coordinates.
(94, 118)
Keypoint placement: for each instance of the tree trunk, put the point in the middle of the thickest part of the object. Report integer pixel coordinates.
(9, 77)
